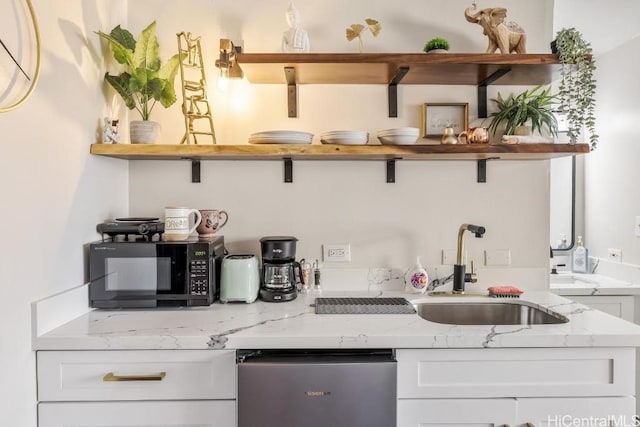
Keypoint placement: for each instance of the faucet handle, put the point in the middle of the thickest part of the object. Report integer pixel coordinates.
(471, 277)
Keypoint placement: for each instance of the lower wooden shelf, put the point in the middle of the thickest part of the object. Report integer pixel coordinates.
(338, 152)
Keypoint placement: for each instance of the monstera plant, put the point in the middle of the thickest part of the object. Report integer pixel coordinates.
(145, 80)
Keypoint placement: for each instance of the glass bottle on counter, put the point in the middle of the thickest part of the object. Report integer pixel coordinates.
(317, 289)
(307, 275)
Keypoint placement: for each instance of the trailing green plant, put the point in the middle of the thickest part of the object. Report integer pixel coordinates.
(533, 107)
(436, 43)
(577, 88)
(146, 80)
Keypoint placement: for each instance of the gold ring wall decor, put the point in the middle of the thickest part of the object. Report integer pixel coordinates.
(36, 75)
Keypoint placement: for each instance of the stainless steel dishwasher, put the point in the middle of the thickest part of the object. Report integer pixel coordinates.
(316, 388)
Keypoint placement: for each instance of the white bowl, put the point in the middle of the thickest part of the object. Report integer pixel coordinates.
(400, 131)
(398, 139)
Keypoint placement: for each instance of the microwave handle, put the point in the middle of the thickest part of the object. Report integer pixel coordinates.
(153, 377)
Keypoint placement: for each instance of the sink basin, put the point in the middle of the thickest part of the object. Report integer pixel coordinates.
(488, 313)
(571, 280)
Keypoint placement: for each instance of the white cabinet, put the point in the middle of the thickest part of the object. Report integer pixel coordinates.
(521, 387)
(163, 388)
(552, 412)
(128, 414)
(456, 412)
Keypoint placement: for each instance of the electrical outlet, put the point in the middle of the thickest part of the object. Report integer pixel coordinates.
(337, 253)
(449, 256)
(614, 255)
(497, 257)
(637, 229)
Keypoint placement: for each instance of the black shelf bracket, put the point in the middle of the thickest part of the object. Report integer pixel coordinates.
(391, 171)
(482, 90)
(292, 91)
(288, 170)
(393, 90)
(482, 169)
(195, 171)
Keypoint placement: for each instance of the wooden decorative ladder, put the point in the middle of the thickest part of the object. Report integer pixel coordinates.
(195, 105)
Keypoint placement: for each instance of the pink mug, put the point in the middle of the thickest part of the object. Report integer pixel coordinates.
(212, 221)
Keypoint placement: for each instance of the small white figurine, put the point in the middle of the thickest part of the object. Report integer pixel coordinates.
(110, 134)
(295, 39)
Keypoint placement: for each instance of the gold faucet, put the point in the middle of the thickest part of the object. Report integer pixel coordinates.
(459, 275)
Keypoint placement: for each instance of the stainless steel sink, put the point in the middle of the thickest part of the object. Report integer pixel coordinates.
(488, 313)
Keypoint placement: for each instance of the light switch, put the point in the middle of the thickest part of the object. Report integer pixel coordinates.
(497, 257)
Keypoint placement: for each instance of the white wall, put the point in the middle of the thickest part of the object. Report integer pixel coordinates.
(606, 25)
(612, 201)
(53, 192)
(335, 202)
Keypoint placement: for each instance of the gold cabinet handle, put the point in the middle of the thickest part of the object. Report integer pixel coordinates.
(153, 377)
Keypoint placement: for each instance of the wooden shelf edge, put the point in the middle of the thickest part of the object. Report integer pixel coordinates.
(394, 58)
(380, 68)
(337, 152)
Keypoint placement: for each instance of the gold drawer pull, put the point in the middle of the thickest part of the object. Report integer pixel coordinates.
(153, 377)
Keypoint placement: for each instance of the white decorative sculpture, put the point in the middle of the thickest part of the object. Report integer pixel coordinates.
(295, 39)
(110, 134)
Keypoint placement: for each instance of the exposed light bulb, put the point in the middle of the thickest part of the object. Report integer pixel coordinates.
(223, 79)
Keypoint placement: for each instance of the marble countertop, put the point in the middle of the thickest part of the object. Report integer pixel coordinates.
(295, 325)
(590, 284)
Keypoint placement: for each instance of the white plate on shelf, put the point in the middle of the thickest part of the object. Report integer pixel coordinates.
(344, 141)
(399, 131)
(345, 137)
(279, 141)
(281, 137)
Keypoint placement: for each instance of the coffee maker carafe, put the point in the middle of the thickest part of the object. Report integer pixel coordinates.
(281, 274)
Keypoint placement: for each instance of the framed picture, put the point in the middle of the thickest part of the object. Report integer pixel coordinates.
(561, 118)
(436, 117)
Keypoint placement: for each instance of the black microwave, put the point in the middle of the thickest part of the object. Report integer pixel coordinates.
(144, 274)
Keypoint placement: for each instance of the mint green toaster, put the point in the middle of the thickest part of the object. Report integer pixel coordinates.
(240, 278)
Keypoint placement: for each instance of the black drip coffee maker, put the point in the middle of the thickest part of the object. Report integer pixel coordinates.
(281, 274)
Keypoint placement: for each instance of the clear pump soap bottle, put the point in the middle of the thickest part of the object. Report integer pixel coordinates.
(580, 258)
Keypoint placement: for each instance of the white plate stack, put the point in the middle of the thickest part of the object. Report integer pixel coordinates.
(399, 136)
(281, 137)
(345, 137)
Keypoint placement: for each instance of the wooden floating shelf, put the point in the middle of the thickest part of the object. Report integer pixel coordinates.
(338, 152)
(381, 68)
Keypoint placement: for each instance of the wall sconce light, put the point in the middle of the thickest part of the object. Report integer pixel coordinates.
(228, 63)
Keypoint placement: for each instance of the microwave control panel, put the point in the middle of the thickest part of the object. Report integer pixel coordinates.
(199, 271)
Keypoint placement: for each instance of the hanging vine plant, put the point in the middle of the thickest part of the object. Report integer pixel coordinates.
(576, 92)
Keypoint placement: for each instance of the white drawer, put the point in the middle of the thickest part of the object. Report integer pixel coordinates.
(201, 413)
(136, 375)
(516, 372)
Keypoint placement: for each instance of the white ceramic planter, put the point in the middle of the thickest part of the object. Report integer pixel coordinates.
(144, 131)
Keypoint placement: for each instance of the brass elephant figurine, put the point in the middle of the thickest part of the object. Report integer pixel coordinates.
(508, 37)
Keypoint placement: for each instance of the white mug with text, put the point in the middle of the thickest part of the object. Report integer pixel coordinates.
(176, 222)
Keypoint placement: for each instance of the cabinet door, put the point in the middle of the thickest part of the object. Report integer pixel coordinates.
(620, 306)
(203, 413)
(456, 412)
(595, 411)
(136, 375)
